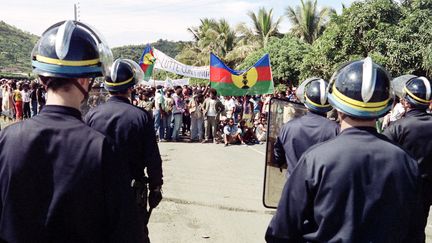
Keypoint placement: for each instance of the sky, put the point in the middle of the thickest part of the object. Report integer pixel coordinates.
(124, 22)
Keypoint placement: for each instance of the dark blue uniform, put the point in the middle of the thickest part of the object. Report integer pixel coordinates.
(132, 130)
(356, 187)
(298, 135)
(133, 133)
(414, 134)
(60, 182)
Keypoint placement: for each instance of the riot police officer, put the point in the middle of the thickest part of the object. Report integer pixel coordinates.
(414, 133)
(132, 130)
(59, 179)
(357, 187)
(297, 135)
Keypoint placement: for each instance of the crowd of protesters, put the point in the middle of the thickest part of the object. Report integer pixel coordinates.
(190, 113)
(20, 99)
(197, 113)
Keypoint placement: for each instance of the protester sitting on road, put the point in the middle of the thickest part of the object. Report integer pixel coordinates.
(247, 133)
(261, 130)
(232, 134)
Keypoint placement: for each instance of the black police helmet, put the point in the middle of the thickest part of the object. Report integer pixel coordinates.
(315, 96)
(361, 89)
(417, 92)
(71, 49)
(124, 74)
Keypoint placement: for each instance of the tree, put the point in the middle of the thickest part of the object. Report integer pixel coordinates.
(307, 23)
(286, 56)
(264, 26)
(211, 36)
(364, 29)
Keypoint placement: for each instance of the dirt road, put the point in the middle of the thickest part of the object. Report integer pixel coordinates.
(212, 194)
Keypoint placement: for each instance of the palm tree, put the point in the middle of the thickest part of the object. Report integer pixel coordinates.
(212, 35)
(263, 25)
(307, 23)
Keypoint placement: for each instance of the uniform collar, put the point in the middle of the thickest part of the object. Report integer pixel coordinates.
(415, 112)
(62, 110)
(119, 99)
(311, 113)
(356, 130)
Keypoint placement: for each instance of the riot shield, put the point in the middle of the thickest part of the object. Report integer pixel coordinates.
(281, 112)
(398, 84)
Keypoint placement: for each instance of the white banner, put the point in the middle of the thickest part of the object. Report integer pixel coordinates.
(167, 83)
(169, 64)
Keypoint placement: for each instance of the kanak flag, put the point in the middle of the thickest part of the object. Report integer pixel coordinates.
(255, 80)
(147, 61)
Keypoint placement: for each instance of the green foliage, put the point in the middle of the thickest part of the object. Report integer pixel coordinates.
(307, 22)
(134, 52)
(395, 36)
(286, 56)
(15, 49)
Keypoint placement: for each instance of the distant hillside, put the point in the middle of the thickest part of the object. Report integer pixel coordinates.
(15, 49)
(16, 46)
(134, 52)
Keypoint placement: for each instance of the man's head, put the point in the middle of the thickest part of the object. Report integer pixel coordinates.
(212, 93)
(313, 93)
(417, 93)
(124, 75)
(361, 90)
(178, 90)
(70, 52)
(230, 122)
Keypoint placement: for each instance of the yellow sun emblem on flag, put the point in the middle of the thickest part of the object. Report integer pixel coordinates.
(245, 80)
(149, 59)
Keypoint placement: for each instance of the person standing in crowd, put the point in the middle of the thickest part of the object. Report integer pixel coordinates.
(59, 179)
(40, 94)
(229, 106)
(212, 109)
(168, 125)
(33, 99)
(247, 108)
(25, 93)
(414, 133)
(312, 128)
(238, 110)
(132, 130)
(178, 110)
(18, 101)
(197, 117)
(159, 113)
(357, 187)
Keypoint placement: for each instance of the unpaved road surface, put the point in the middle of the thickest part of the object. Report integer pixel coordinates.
(212, 193)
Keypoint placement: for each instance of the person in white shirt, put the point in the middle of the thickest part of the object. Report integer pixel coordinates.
(25, 93)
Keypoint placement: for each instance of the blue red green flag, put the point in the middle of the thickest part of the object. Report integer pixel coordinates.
(254, 80)
(147, 61)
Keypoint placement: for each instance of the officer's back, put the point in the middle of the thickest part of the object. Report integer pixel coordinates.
(298, 135)
(59, 179)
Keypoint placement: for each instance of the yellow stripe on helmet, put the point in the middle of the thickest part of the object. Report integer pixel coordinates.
(415, 97)
(315, 104)
(67, 62)
(118, 84)
(355, 103)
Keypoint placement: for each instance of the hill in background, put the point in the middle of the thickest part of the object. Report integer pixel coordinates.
(134, 52)
(15, 49)
(16, 46)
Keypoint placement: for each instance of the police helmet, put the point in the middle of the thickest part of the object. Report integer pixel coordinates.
(361, 89)
(417, 91)
(71, 49)
(314, 95)
(124, 74)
